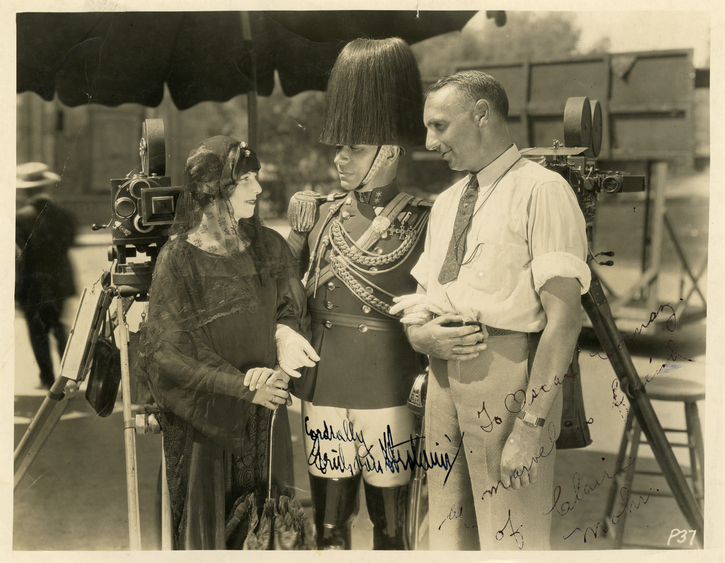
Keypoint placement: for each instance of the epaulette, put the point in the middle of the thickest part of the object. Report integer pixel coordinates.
(302, 209)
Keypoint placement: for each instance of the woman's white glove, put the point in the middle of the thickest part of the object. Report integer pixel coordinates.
(414, 305)
(293, 350)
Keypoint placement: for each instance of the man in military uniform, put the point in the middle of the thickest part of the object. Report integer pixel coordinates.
(356, 249)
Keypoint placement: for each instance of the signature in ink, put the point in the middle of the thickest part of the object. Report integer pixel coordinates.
(534, 459)
(392, 459)
(496, 419)
(628, 506)
(324, 462)
(328, 432)
(516, 534)
(666, 366)
(618, 401)
(564, 508)
(519, 399)
(452, 515)
(413, 458)
(670, 325)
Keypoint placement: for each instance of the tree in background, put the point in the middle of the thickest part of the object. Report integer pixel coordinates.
(525, 36)
(293, 158)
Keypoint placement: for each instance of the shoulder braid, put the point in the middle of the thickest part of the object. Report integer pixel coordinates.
(303, 209)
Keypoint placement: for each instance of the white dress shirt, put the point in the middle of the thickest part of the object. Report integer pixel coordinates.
(527, 228)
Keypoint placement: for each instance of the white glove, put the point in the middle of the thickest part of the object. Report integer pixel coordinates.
(293, 350)
(415, 306)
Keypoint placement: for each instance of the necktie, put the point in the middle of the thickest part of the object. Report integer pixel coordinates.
(457, 246)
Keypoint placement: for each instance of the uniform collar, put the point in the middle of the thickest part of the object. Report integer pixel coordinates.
(378, 196)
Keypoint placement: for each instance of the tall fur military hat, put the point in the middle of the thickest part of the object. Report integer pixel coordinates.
(374, 95)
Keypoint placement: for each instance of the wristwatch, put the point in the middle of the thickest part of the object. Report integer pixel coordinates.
(530, 419)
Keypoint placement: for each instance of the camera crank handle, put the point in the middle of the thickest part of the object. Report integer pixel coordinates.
(99, 227)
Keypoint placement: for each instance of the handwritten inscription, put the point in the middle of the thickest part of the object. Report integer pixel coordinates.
(392, 457)
(543, 452)
(627, 506)
(489, 426)
(455, 512)
(328, 432)
(618, 401)
(673, 357)
(517, 400)
(670, 324)
(515, 533)
(413, 458)
(565, 507)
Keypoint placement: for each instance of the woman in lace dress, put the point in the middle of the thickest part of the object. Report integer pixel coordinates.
(224, 299)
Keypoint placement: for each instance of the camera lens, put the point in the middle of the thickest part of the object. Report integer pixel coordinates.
(136, 186)
(140, 227)
(125, 207)
(612, 184)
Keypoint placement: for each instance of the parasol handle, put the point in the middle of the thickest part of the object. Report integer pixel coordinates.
(269, 469)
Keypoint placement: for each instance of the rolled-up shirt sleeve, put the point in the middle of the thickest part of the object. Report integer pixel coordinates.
(557, 236)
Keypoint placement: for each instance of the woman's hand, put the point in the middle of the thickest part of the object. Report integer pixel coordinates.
(256, 377)
(273, 395)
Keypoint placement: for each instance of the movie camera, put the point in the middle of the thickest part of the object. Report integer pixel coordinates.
(144, 207)
(575, 160)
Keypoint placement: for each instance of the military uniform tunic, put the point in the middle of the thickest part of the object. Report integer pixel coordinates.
(366, 361)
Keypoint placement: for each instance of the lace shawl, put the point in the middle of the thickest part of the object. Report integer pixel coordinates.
(179, 357)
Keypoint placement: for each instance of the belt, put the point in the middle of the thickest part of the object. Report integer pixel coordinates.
(492, 330)
(363, 324)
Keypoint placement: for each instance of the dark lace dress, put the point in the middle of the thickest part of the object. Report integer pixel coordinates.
(211, 318)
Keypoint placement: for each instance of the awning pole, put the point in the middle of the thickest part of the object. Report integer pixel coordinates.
(252, 128)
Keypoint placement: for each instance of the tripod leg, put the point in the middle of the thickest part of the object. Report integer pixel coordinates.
(40, 428)
(596, 306)
(129, 433)
(74, 366)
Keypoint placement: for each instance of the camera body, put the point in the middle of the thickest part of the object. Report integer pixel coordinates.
(581, 173)
(144, 207)
(575, 160)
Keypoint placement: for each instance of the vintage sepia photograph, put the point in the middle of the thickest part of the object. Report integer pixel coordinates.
(378, 277)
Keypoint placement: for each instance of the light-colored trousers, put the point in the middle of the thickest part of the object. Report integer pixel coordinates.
(470, 412)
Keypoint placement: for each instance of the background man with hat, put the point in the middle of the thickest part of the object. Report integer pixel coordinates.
(44, 232)
(356, 249)
(503, 271)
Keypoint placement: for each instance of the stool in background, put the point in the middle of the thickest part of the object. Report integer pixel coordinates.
(661, 388)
